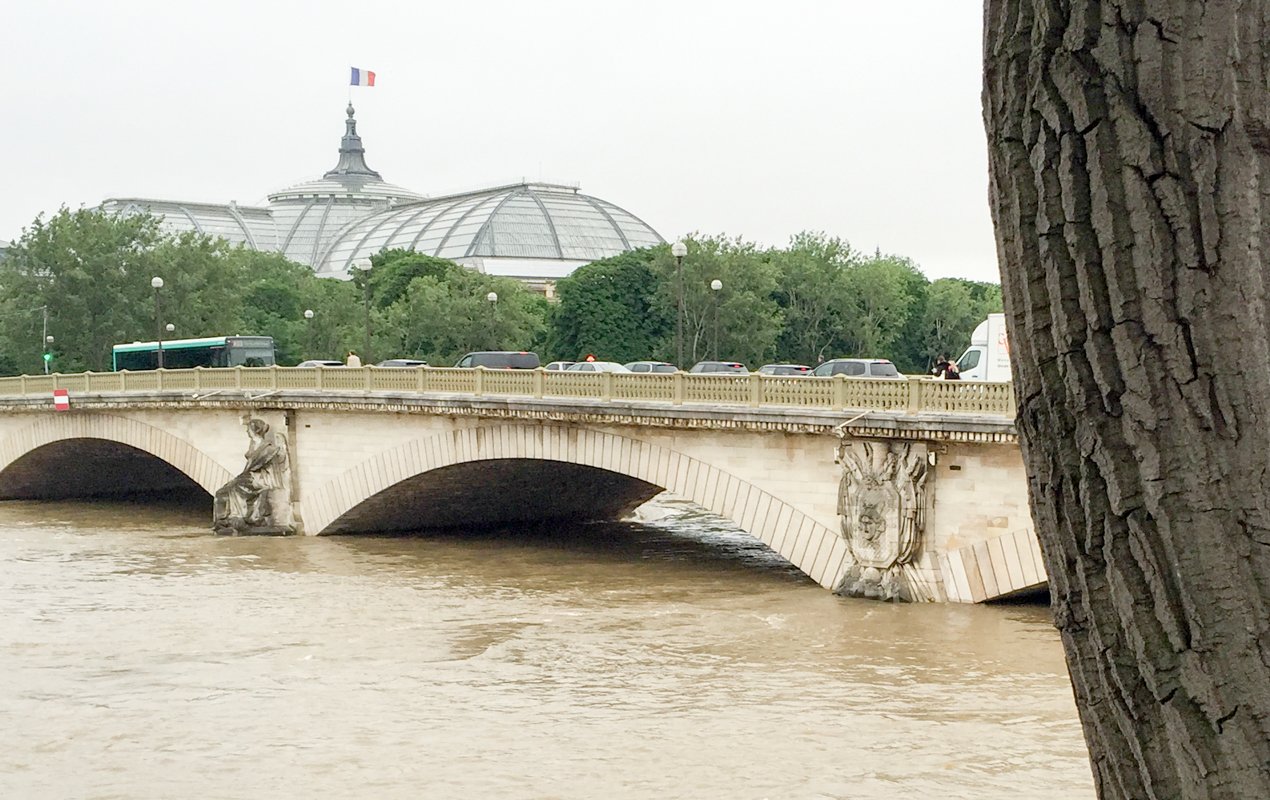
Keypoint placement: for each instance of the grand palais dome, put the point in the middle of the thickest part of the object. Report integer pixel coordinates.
(536, 232)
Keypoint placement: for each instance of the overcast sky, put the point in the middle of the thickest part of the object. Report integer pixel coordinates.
(858, 118)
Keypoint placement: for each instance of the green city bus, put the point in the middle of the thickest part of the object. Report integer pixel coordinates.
(209, 351)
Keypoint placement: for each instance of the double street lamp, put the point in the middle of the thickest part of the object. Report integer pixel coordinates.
(679, 250)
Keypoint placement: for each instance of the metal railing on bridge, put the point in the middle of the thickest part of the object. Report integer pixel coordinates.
(912, 396)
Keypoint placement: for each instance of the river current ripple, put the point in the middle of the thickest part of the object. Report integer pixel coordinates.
(675, 657)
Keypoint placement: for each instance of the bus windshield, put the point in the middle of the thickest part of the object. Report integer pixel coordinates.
(211, 351)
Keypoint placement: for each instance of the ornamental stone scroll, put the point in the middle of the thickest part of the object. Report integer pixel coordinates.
(882, 509)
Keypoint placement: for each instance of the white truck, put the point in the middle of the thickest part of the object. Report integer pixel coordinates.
(988, 357)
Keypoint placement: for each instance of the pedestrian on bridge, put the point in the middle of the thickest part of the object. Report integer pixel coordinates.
(353, 359)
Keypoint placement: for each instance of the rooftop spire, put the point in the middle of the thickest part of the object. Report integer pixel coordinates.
(352, 154)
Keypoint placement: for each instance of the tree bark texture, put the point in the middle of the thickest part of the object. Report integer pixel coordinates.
(1129, 147)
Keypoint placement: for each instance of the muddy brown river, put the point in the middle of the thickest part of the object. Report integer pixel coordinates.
(142, 657)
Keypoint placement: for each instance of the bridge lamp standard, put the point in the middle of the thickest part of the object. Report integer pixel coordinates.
(715, 286)
(492, 299)
(48, 352)
(157, 283)
(679, 250)
(308, 331)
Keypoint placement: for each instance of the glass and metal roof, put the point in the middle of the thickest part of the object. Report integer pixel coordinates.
(520, 221)
(246, 225)
(340, 220)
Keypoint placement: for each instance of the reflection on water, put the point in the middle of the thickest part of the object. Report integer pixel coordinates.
(144, 658)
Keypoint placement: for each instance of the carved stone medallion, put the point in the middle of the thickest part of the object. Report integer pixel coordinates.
(881, 507)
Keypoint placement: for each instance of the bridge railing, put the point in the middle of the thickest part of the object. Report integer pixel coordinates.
(837, 393)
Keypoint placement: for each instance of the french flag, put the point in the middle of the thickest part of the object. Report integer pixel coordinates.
(362, 77)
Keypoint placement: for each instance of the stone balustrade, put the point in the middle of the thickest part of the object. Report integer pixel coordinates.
(913, 396)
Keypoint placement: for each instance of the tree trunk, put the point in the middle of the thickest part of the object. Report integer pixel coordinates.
(1127, 143)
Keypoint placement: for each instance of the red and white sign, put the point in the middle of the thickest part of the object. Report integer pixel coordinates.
(61, 400)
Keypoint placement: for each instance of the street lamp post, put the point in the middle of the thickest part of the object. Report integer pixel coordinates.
(157, 283)
(308, 332)
(492, 298)
(48, 351)
(679, 250)
(715, 286)
(47, 339)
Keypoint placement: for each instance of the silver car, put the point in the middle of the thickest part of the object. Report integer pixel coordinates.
(596, 366)
(877, 368)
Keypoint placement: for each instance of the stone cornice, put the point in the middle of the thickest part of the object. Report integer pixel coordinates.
(688, 416)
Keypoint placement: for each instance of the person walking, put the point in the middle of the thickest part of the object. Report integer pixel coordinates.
(353, 359)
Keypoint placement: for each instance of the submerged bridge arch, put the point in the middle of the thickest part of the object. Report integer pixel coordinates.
(162, 445)
(811, 546)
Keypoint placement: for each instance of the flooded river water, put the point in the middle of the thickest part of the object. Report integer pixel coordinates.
(142, 657)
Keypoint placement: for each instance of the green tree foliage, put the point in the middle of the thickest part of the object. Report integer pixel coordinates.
(881, 294)
(276, 292)
(609, 308)
(444, 312)
(92, 272)
(813, 292)
(392, 271)
(953, 309)
(817, 298)
(748, 317)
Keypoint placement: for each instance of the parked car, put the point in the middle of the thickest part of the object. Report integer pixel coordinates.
(651, 366)
(859, 368)
(320, 362)
(720, 367)
(560, 366)
(784, 369)
(500, 359)
(596, 366)
(402, 362)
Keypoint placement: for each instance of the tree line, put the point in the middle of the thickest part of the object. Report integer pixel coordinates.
(84, 276)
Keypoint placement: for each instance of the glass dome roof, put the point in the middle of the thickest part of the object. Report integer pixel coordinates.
(338, 221)
(524, 220)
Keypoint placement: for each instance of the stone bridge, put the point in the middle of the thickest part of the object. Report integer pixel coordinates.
(894, 489)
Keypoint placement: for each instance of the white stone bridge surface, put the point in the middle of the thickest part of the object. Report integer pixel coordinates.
(894, 489)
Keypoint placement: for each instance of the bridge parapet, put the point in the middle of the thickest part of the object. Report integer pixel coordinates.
(754, 391)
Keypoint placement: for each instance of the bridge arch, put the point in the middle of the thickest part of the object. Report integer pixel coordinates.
(809, 545)
(172, 450)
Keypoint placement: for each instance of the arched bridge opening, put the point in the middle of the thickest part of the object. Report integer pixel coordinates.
(491, 493)
(491, 475)
(95, 468)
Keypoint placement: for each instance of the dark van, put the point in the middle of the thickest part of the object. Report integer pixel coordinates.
(500, 359)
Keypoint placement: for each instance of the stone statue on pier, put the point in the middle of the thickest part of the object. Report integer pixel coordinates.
(881, 505)
(258, 499)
